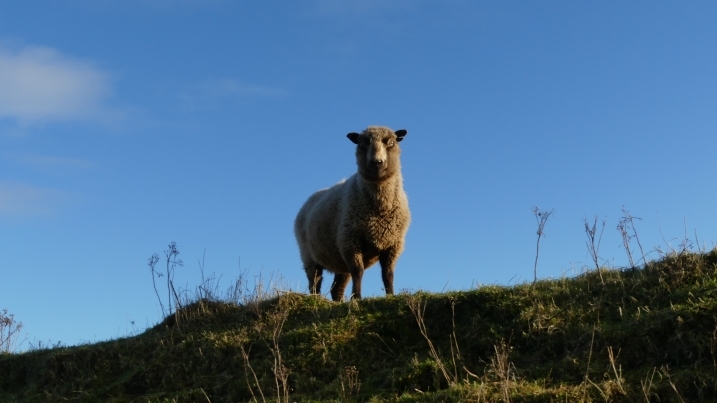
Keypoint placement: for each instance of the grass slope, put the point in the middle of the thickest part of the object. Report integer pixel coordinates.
(551, 342)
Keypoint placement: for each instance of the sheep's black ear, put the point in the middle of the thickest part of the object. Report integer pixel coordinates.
(353, 137)
(400, 134)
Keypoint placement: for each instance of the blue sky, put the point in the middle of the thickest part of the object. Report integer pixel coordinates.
(125, 125)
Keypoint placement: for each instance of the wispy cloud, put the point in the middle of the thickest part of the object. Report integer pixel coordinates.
(177, 3)
(148, 4)
(47, 162)
(229, 89)
(353, 7)
(39, 84)
(21, 200)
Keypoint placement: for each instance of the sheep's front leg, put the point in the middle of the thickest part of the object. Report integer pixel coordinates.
(388, 260)
(355, 264)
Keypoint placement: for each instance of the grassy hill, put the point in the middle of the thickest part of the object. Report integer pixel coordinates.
(633, 335)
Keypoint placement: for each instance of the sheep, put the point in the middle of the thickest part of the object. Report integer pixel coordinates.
(350, 226)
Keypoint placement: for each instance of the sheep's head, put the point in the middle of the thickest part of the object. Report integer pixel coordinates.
(377, 152)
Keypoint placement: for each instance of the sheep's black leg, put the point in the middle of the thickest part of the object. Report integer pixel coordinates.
(388, 262)
(341, 280)
(314, 274)
(354, 261)
(356, 276)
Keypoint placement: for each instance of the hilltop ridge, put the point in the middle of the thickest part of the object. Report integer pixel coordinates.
(632, 335)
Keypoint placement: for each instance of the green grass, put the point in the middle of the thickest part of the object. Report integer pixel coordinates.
(546, 343)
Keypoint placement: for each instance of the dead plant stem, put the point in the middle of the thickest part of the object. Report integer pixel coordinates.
(247, 368)
(587, 370)
(541, 217)
(418, 308)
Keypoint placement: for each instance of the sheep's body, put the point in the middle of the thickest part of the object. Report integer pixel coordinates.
(357, 222)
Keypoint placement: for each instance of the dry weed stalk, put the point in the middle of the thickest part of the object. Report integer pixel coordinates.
(208, 289)
(247, 368)
(172, 263)
(665, 371)
(263, 290)
(686, 244)
(624, 226)
(205, 395)
(238, 290)
(713, 347)
(647, 384)
(173, 299)
(586, 379)
(418, 308)
(152, 262)
(501, 367)
(594, 249)
(455, 350)
(276, 322)
(9, 332)
(618, 372)
(479, 396)
(350, 384)
(541, 217)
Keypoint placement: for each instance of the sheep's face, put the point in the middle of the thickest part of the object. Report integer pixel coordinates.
(377, 152)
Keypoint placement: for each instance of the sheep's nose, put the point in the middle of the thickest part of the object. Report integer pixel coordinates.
(377, 162)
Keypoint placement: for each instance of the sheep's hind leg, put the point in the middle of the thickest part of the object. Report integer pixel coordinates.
(314, 273)
(341, 280)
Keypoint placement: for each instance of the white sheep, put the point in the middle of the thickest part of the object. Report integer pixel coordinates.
(350, 226)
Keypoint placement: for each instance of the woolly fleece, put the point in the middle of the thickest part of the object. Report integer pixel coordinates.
(350, 226)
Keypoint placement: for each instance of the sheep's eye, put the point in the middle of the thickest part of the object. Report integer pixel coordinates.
(390, 143)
